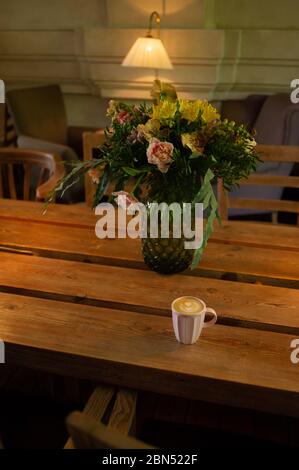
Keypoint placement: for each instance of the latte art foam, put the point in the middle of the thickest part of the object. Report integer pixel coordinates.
(188, 305)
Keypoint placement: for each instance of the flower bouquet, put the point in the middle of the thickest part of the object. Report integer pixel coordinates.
(172, 150)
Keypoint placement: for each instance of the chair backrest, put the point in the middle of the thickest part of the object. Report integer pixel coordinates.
(87, 433)
(39, 112)
(10, 135)
(2, 123)
(28, 174)
(91, 140)
(118, 407)
(268, 153)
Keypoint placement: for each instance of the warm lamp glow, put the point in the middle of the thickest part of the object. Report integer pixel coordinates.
(148, 52)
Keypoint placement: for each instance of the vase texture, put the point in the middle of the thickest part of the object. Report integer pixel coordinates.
(166, 255)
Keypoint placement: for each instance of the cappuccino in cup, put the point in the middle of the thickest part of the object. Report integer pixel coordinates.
(188, 318)
(188, 305)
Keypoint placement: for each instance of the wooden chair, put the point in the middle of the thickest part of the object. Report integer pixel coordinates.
(88, 432)
(48, 168)
(8, 135)
(269, 153)
(117, 408)
(91, 140)
(2, 124)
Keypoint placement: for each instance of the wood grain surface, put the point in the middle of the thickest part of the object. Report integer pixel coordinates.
(258, 306)
(74, 305)
(229, 365)
(232, 261)
(265, 235)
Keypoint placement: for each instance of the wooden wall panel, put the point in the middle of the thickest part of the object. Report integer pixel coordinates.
(80, 45)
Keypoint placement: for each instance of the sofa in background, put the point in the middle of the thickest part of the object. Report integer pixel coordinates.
(276, 122)
(40, 121)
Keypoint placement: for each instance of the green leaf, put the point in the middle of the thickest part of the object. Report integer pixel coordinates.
(195, 155)
(207, 197)
(71, 178)
(206, 235)
(101, 187)
(138, 182)
(206, 201)
(133, 171)
(130, 171)
(205, 187)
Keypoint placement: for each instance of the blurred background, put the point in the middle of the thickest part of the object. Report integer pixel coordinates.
(219, 48)
(61, 63)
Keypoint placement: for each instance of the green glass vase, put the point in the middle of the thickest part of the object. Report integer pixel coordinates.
(166, 255)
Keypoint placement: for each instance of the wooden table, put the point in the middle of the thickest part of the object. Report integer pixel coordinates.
(79, 306)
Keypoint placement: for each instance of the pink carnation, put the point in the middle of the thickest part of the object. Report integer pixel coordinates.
(160, 154)
(124, 199)
(123, 117)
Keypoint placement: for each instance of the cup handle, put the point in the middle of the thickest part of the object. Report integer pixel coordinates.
(213, 320)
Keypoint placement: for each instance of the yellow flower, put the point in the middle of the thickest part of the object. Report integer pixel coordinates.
(192, 110)
(164, 110)
(165, 90)
(112, 108)
(187, 140)
(208, 112)
(189, 109)
(194, 141)
(149, 129)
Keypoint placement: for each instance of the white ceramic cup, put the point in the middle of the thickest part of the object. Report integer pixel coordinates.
(188, 325)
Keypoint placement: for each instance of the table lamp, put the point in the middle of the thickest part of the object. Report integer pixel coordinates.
(149, 52)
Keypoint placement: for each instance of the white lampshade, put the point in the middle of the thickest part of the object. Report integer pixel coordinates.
(147, 52)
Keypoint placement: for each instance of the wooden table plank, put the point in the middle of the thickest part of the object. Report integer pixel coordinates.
(235, 262)
(282, 237)
(229, 365)
(254, 306)
(251, 264)
(67, 215)
(255, 234)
